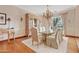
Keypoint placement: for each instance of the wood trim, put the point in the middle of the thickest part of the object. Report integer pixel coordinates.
(15, 38)
(20, 37)
(27, 24)
(72, 36)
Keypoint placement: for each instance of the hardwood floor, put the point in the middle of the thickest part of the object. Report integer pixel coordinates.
(72, 45)
(12, 47)
(19, 47)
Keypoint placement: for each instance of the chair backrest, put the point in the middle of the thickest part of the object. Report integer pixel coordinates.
(58, 36)
(34, 34)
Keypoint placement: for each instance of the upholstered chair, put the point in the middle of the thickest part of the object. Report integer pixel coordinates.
(60, 36)
(54, 40)
(35, 38)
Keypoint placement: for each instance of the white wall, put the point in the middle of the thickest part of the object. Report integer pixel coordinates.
(71, 22)
(15, 14)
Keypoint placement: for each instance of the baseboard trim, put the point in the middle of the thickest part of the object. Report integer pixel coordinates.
(15, 38)
(20, 37)
(72, 36)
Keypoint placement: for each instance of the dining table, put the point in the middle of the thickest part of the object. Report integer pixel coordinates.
(9, 32)
(45, 35)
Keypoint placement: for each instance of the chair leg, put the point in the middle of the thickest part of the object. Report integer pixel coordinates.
(32, 42)
(37, 44)
(14, 37)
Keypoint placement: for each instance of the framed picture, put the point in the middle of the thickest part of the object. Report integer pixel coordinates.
(2, 18)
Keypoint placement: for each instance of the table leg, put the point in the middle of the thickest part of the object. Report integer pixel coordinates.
(8, 37)
(14, 37)
(45, 39)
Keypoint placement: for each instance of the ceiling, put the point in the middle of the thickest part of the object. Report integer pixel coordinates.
(39, 9)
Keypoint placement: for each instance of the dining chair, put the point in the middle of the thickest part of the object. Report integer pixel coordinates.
(60, 36)
(35, 38)
(54, 40)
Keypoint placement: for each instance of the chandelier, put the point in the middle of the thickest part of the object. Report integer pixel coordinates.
(47, 14)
